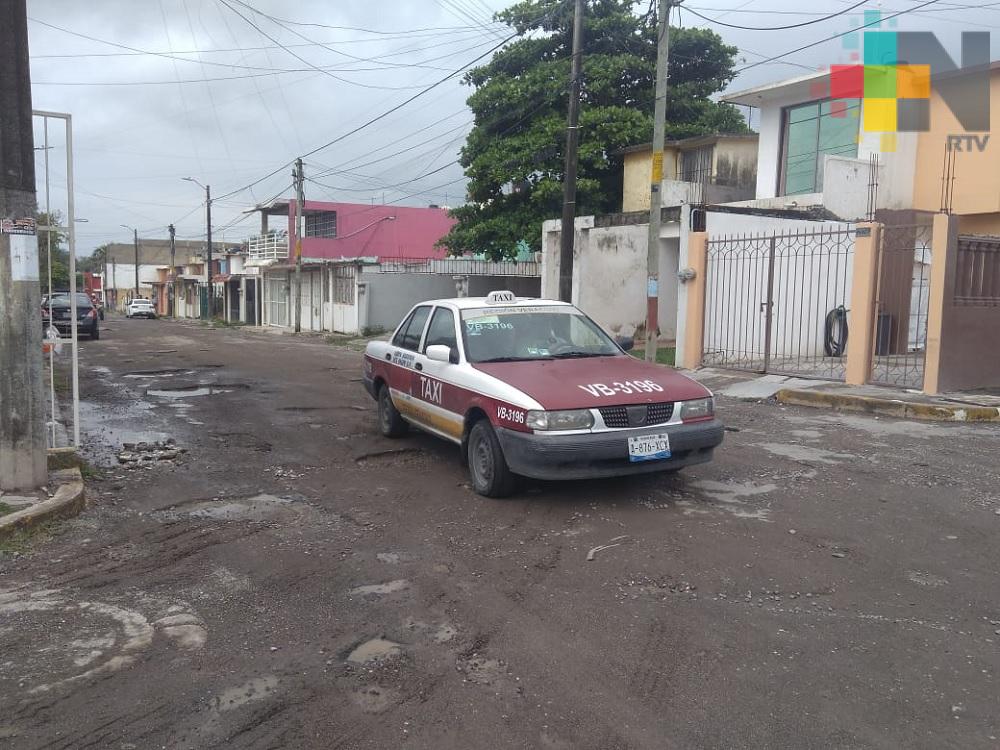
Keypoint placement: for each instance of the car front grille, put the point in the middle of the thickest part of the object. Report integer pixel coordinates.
(640, 415)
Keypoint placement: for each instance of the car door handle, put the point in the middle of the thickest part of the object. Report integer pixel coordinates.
(419, 366)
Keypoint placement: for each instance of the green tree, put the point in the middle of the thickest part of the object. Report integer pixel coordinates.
(514, 155)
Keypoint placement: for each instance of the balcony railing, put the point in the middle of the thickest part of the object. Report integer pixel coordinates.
(263, 248)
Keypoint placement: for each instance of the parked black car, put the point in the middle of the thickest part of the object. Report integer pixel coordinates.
(86, 315)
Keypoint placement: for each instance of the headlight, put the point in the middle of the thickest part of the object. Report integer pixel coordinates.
(573, 419)
(699, 408)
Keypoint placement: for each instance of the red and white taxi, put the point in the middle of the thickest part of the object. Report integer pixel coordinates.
(535, 388)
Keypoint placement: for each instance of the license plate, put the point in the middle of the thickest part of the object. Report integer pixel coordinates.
(649, 447)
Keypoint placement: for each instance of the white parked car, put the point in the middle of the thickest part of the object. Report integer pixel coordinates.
(140, 308)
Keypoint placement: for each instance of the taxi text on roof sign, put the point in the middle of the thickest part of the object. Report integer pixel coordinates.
(501, 298)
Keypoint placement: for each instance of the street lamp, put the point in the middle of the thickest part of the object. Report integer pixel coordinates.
(135, 243)
(208, 237)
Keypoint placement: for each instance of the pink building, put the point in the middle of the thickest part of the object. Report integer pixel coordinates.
(350, 230)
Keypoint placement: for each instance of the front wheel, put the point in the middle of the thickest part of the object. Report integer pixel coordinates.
(488, 468)
(390, 423)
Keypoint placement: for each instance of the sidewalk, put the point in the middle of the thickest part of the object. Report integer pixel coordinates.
(878, 400)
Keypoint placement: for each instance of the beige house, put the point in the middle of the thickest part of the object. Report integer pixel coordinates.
(975, 194)
(723, 166)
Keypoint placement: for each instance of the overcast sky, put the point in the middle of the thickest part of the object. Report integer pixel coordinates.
(144, 121)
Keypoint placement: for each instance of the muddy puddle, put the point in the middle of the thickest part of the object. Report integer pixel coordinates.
(176, 392)
(109, 428)
(254, 508)
(380, 589)
(373, 650)
(169, 372)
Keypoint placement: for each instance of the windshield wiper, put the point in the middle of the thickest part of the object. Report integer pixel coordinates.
(570, 355)
(510, 359)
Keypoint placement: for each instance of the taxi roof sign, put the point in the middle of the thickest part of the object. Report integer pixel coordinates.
(501, 298)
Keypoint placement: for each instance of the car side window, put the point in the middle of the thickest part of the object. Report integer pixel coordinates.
(408, 337)
(397, 340)
(442, 329)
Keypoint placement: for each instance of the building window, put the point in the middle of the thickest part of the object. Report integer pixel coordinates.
(696, 164)
(321, 224)
(813, 131)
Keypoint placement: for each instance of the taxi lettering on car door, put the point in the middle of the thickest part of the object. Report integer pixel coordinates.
(436, 398)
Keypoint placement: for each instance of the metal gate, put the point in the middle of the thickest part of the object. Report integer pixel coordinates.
(901, 299)
(778, 302)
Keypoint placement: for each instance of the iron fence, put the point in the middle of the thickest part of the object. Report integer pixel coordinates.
(977, 275)
(901, 304)
(778, 302)
(458, 267)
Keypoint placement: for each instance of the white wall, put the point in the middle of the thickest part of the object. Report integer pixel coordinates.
(609, 274)
(121, 276)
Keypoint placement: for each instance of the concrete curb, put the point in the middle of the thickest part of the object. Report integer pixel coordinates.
(68, 501)
(888, 407)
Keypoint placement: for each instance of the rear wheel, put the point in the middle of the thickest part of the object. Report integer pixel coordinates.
(390, 423)
(488, 468)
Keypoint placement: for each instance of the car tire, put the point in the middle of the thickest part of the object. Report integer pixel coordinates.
(390, 422)
(488, 470)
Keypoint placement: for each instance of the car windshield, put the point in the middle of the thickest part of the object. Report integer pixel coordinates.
(62, 300)
(142, 303)
(509, 334)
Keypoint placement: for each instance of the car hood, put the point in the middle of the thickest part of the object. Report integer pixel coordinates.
(595, 381)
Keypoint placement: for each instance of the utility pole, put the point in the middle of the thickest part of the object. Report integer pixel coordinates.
(22, 389)
(173, 272)
(300, 224)
(208, 236)
(135, 243)
(568, 233)
(656, 182)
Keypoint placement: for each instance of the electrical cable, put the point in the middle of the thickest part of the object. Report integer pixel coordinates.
(717, 22)
(381, 116)
(835, 36)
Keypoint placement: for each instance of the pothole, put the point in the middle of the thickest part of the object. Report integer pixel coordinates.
(254, 690)
(255, 508)
(193, 391)
(373, 650)
(380, 589)
(168, 372)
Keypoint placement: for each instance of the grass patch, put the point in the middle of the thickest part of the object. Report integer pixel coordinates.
(21, 540)
(5, 509)
(89, 471)
(665, 355)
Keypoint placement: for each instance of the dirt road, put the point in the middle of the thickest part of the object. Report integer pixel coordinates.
(294, 580)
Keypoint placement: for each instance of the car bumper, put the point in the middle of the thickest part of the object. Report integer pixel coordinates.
(370, 386)
(66, 326)
(605, 454)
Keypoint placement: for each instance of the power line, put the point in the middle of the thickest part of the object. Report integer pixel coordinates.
(835, 36)
(137, 51)
(382, 116)
(775, 28)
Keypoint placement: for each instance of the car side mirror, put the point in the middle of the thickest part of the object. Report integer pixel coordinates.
(441, 353)
(625, 342)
